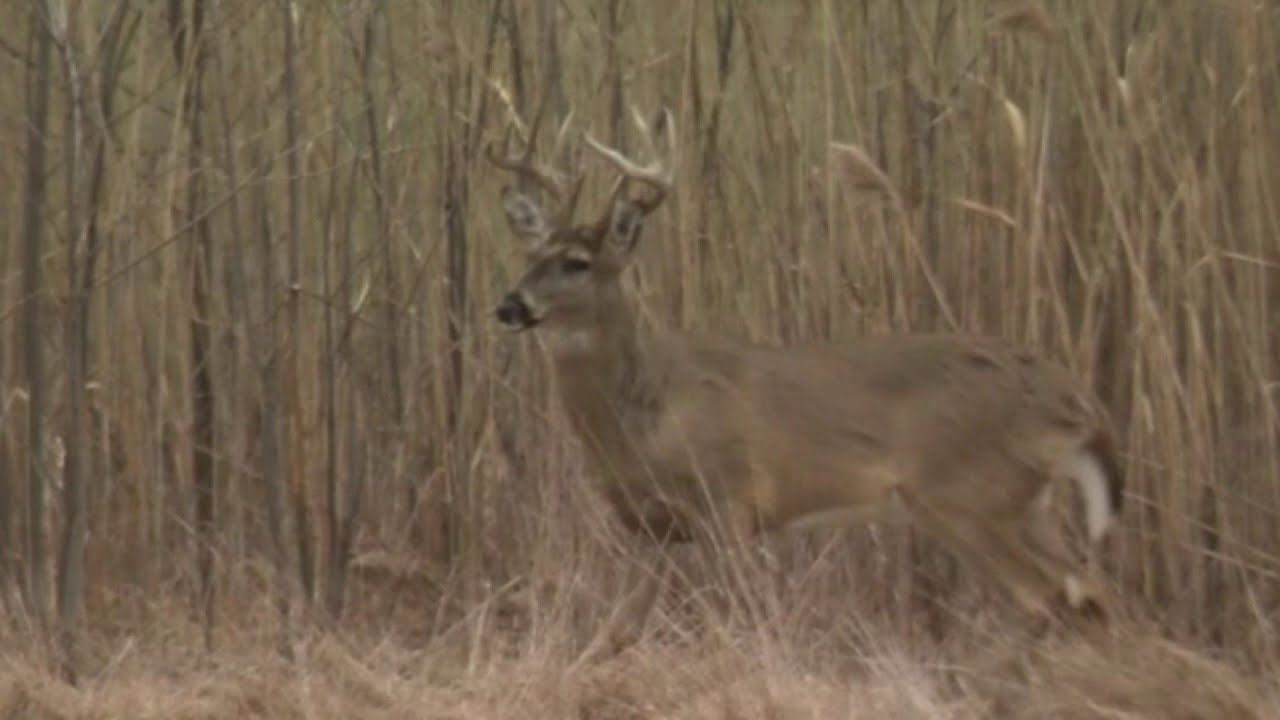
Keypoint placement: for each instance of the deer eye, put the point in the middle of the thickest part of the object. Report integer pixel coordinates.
(574, 265)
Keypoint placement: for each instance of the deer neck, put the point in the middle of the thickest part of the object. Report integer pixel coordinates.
(609, 382)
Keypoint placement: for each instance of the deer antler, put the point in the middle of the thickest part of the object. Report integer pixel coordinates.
(524, 164)
(657, 174)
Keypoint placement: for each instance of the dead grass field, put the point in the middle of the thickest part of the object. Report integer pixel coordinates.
(263, 452)
(754, 673)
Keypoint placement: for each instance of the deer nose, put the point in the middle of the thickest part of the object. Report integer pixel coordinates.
(513, 311)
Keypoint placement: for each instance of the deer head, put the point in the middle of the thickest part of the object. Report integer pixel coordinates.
(574, 269)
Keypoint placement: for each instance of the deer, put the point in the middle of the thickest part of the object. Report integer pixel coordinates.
(965, 436)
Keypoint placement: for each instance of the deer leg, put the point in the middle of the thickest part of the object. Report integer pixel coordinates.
(1042, 537)
(971, 537)
(728, 547)
(625, 625)
(1030, 558)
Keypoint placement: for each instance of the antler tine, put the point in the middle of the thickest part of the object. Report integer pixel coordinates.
(663, 123)
(569, 203)
(523, 163)
(656, 174)
(563, 132)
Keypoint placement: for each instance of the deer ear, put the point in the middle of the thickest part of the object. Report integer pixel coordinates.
(525, 216)
(625, 223)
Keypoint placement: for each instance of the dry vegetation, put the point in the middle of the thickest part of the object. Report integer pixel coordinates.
(263, 453)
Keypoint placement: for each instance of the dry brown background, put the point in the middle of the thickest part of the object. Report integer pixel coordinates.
(263, 452)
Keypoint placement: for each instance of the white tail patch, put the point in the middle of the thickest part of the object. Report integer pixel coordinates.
(1095, 486)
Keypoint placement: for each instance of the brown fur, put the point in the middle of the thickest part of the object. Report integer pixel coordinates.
(692, 432)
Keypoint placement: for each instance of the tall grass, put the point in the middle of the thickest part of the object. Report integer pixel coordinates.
(1097, 180)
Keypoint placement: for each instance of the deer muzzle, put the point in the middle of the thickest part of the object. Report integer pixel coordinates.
(515, 313)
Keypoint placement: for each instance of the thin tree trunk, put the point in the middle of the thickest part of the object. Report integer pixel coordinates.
(236, 290)
(336, 563)
(363, 52)
(269, 412)
(452, 201)
(187, 30)
(79, 250)
(293, 413)
(342, 502)
(9, 558)
(341, 528)
(390, 277)
(459, 141)
(37, 121)
(83, 254)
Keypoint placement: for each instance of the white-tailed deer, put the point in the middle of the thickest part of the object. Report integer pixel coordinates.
(964, 435)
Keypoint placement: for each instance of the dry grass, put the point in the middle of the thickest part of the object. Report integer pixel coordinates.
(1098, 180)
(738, 676)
